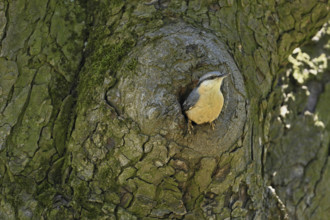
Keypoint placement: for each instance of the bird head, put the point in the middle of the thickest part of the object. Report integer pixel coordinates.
(212, 77)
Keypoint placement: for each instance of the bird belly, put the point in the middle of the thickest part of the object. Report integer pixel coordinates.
(207, 108)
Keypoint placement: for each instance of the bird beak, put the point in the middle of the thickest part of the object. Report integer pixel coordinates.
(224, 75)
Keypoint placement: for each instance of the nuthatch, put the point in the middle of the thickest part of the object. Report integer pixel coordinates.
(205, 102)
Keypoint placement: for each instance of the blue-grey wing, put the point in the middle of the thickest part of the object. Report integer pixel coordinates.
(191, 100)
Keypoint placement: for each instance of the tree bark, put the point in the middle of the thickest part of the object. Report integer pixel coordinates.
(91, 125)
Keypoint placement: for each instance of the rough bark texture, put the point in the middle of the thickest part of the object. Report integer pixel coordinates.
(91, 125)
(297, 163)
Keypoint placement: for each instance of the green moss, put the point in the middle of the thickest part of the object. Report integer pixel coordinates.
(105, 176)
(124, 215)
(203, 175)
(6, 210)
(91, 210)
(59, 89)
(45, 194)
(133, 149)
(145, 12)
(81, 191)
(181, 176)
(132, 64)
(144, 198)
(111, 197)
(55, 174)
(126, 174)
(61, 124)
(61, 213)
(105, 60)
(169, 199)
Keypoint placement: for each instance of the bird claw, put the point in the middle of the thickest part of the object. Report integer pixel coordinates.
(212, 125)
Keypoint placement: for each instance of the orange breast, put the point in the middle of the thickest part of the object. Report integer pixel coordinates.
(207, 108)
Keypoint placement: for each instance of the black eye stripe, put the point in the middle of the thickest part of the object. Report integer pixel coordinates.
(211, 77)
(208, 78)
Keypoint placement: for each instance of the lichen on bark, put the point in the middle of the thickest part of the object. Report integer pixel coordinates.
(297, 162)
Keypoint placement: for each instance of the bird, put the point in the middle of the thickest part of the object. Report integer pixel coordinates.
(205, 102)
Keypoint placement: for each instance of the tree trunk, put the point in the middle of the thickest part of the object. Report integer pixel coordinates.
(91, 125)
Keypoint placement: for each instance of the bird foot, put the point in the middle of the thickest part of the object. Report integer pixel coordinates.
(212, 125)
(190, 126)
